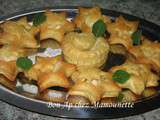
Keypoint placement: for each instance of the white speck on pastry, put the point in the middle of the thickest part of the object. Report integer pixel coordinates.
(30, 88)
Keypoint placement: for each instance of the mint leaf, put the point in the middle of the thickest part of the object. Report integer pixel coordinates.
(136, 37)
(39, 19)
(99, 28)
(121, 76)
(24, 63)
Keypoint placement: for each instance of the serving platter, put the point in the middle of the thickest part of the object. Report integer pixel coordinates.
(149, 29)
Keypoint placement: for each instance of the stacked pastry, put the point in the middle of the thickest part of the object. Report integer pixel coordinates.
(121, 31)
(92, 84)
(85, 51)
(55, 26)
(52, 72)
(88, 16)
(88, 53)
(16, 40)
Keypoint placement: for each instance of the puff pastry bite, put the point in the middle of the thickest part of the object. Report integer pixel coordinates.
(8, 69)
(87, 90)
(148, 53)
(141, 77)
(53, 64)
(88, 16)
(93, 84)
(55, 26)
(41, 62)
(84, 49)
(19, 34)
(121, 31)
(50, 79)
(55, 72)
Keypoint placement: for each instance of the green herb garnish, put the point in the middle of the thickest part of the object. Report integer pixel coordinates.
(24, 63)
(39, 19)
(99, 28)
(136, 37)
(120, 76)
(120, 97)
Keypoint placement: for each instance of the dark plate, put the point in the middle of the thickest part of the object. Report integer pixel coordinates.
(60, 110)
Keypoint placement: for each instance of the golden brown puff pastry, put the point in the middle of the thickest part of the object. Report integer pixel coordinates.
(121, 31)
(148, 53)
(55, 26)
(53, 64)
(93, 80)
(50, 79)
(141, 76)
(109, 88)
(67, 68)
(64, 67)
(88, 16)
(7, 83)
(42, 62)
(148, 92)
(11, 53)
(8, 69)
(32, 29)
(87, 90)
(51, 72)
(19, 34)
(83, 49)
(88, 73)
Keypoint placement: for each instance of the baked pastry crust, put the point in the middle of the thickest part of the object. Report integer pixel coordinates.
(88, 16)
(50, 64)
(55, 72)
(41, 62)
(50, 79)
(148, 53)
(93, 84)
(55, 26)
(121, 31)
(141, 77)
(11, 53)
(19, 34)
(8, 69)
(83, 49)
(87, 90)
